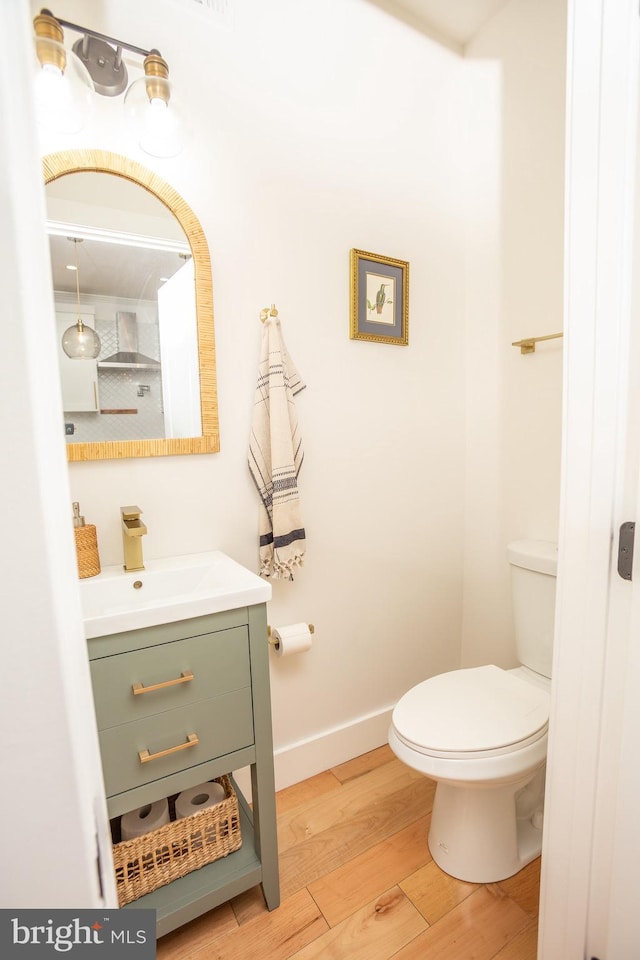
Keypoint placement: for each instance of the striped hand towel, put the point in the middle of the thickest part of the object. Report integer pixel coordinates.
(275, 457)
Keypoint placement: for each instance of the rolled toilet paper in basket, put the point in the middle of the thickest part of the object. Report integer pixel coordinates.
(198, 798)
(144, 819)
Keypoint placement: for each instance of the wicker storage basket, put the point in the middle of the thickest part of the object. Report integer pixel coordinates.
(145, 863)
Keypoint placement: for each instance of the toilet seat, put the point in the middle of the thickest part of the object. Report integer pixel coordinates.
(470, 714)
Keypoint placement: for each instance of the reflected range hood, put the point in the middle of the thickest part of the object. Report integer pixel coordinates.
(128, 356)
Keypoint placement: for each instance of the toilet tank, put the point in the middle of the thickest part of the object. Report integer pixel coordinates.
(534, 565)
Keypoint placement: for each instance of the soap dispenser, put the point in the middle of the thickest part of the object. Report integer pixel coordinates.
(86, 545)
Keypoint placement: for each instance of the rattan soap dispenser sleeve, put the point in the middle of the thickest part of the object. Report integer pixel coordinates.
(86, 545)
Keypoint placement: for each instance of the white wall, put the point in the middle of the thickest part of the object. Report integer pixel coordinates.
(314, 130)
(514, 191)
(317, 128)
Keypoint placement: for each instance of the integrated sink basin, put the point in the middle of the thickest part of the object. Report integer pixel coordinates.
(174, 588)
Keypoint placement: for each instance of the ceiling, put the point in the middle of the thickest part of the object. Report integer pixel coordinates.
(129, 240)
(111, 269)
(453, 22)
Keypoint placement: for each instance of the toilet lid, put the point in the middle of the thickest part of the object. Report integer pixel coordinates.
(473, 711)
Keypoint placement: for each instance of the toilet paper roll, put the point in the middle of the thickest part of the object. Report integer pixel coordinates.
(144, 819)
(198, 798)
(295, 638)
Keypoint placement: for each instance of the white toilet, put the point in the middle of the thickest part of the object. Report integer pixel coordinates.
(481, 734)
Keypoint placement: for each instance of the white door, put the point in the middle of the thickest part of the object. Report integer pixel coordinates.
(590, 892)
(613, 931)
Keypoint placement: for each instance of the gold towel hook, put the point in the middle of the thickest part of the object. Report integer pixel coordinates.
(266, 312)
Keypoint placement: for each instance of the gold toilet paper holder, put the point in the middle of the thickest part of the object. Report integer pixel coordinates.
(273, 641)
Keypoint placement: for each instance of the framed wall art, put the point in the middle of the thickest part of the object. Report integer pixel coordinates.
(379, 298)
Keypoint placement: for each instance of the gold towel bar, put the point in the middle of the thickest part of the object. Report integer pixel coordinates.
(529, 345)
(266, 312)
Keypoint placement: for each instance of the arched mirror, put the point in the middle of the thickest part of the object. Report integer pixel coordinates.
(129, 258)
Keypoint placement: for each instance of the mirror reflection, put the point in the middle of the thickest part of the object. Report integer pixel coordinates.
(133, 287)
(134, 268)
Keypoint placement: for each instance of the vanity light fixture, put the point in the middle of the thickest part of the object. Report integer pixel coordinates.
(79, 341)
(66, 80)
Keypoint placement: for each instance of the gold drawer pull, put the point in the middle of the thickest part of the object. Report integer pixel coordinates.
(184, 677)
(192, 741)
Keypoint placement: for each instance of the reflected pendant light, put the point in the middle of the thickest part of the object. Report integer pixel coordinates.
(80, 342)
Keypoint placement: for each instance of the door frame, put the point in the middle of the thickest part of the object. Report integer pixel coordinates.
(50, 754)
(592, 612)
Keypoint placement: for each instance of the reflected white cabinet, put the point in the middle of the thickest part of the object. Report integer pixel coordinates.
(79, 378)
(178, 326)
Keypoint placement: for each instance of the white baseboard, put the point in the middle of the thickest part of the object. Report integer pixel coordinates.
(303, 759)
(298, 761)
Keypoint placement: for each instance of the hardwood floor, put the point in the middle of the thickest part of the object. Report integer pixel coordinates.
(358, 883)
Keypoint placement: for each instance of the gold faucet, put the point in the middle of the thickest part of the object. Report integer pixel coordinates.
(133, 530)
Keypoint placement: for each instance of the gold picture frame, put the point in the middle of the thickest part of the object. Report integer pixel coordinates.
(379, 298)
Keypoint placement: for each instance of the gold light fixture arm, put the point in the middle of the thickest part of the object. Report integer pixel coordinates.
(529, 345)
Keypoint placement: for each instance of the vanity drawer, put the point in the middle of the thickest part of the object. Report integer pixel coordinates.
(218, 662)
(221, 725)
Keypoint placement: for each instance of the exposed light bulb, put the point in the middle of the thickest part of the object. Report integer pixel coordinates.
(62, 88)
(153, 116)
(50, 73)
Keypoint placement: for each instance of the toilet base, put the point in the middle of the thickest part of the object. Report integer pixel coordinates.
(486, 833)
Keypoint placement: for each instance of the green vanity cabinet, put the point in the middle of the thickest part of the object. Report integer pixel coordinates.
(201, 686)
